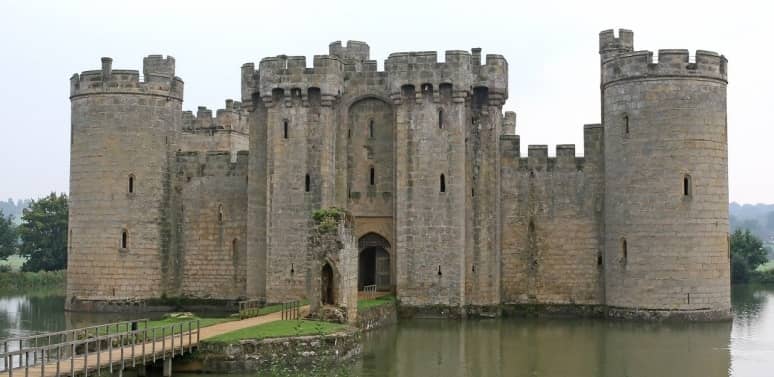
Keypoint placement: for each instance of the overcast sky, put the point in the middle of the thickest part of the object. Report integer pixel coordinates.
(551, 47)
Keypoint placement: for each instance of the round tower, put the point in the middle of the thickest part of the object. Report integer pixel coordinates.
(666, 190)
(122, 135)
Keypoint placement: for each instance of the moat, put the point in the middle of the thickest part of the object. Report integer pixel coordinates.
(515, 347)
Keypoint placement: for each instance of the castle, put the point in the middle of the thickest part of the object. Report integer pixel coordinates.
(446, 211)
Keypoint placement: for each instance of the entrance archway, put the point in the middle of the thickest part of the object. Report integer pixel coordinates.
(374, 262)
(327, 291)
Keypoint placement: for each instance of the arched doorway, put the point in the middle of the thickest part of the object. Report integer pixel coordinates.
(374, 262)
(327, 295)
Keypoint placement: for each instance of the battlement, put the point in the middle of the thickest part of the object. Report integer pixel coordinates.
(670, 63)
(159, 79)
(354, 50)
(290, 74)
(565, 159)
(461, 69)
(621, 62)
(509, 123)
(232, 117)
(610, 45)
(213, 163)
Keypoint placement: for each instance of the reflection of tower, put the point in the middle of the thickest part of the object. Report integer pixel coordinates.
(666, 194)
(122, 128)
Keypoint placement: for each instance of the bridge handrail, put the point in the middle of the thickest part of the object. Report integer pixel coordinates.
(83, 330)
(251, 308)
(41, 355)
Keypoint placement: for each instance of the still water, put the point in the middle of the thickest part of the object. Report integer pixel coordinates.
(518, 347)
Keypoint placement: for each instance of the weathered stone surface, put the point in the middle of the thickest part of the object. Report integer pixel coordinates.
(426, 162)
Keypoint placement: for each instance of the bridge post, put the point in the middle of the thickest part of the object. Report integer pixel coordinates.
(142, 371)
(167, 369)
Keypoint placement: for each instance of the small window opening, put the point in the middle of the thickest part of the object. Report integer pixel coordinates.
(124, 239)
(439, 270)
(372, 177)
(285, 128)
(220, 213)
(371, 128)
(234, 248)
(624, 251)
(443, 183)
(599, 260)
(472, 192)
(292, 268)
(626, 124)
(131, 184)
(307, 183)
(349, 133)
(440, 118)
(687, 185)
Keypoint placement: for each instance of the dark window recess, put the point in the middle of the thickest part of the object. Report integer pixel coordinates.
(307, 183)
(124, 239)
(371, 128)
(372, 178)
(285, 129)
(440, 118)
(626, 124)
(687, 185)
(131, 184)
(624, 251)
(443, 183)
(439, 270)
(220, 213)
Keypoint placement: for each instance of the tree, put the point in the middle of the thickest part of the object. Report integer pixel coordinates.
(8, 237)
(43, 234)
(747, 253)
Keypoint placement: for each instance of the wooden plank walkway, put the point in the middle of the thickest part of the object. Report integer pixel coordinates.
(155, 348)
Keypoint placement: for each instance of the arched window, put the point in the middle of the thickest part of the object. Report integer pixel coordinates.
(131, 183)
(372, 176)
(285, 128)
(440, 118)
(443, 183)
(687, 186)
(124, 239)
(624, 251)
(220, 213)
(307, 183)
(626, 124)
(371, 128)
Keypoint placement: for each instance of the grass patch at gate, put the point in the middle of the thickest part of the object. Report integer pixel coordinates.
(374, 302)
(279, 329)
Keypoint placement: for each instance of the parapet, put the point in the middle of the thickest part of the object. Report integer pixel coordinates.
(232, 117)
(159, 79)
(354, 50)
(213, 163)
(290, 74)
(620, 62)
(565, 160)
(461, 69)
(509, 123)
(610, 45)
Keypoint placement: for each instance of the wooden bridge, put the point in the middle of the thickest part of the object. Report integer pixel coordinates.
(116, 346)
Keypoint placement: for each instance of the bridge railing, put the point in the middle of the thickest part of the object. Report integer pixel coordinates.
(370, 291)
(291, 309)
(61, 337)
(98, 352)
(251, 308)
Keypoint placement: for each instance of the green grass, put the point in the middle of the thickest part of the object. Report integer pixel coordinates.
(14, 261)
(203, 322)
(278, 329)
(379, 301)
(766, 266)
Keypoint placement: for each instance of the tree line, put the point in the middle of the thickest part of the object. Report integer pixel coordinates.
(41, 237)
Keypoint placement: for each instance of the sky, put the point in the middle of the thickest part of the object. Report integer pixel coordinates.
(551, 47)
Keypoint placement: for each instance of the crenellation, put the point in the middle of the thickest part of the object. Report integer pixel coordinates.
(441, 208)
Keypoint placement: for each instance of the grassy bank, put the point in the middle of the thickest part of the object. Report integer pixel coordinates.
(379, 301)
(28, 281)
(278, 329)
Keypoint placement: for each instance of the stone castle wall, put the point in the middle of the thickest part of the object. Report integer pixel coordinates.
(423, 157)
(211, 192)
